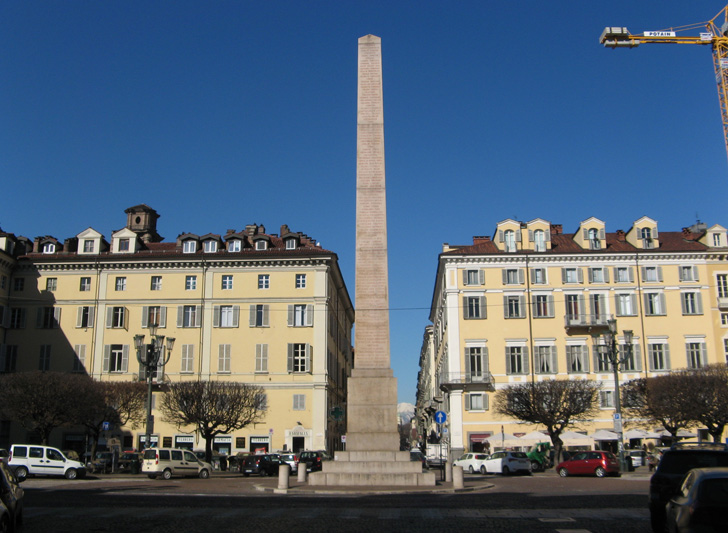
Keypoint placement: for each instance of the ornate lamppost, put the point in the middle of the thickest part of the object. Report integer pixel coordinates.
(609, 352)
(152, 357)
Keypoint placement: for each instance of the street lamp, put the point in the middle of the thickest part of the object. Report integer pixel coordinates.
(609, 351)
(151, 357)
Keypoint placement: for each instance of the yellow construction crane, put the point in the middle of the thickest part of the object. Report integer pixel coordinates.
(714, 33)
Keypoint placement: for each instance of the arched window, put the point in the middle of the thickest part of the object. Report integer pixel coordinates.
(509, 238)
(539, 240)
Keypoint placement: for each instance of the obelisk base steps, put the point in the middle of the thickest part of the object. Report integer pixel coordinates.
(372, 440)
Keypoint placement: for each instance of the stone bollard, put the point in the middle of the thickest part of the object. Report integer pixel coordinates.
(302, 473)
(448, 472)
(284, 473)
(457, 477)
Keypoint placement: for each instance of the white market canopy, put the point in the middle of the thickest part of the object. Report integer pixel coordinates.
(533, 438)
(603, 434)
(503, 439)
(572, 438)
(636, 434)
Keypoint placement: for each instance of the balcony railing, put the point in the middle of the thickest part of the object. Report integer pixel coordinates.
(586, 321)
(723, 302)
(472, 381)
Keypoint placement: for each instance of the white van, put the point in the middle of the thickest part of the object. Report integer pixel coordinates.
(169, 462)
(37, 460)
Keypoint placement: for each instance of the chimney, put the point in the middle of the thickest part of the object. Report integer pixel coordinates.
(480, 239)
(556, 229)
(620, 235)
(284, 230)
(251, 229)
(36, 245)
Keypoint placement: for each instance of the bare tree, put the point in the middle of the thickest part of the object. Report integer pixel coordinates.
(663, 399)
(43, 401)
(555, 404)
(213, 407)
(708, 398)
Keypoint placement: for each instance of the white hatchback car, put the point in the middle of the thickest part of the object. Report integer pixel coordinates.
(508, 463)
(472, 462)
(38, 460)
(168, 462)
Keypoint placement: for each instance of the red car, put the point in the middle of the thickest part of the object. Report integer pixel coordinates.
(598, 463)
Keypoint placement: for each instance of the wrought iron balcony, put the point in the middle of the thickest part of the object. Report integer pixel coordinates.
(464, 381)
(586, 322)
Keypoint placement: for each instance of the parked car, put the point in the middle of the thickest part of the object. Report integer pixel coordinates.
(314, 459)
(472, 462)
(291, 459)
(675, 463)
(130, 462)
(102, 463)
(639, 457)
(595, 463)
(702, 502)
(169, 462)
(11, 498)
(508, 463)
(265, 464)
(417, 455)
(37, 460)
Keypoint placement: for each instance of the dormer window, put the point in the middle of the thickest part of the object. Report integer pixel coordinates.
(646, 236)
(210, 247)
(717, 239)
(539, 240)
(234, 245)
(594, 242)
(124, 245)
(189, 247)
(509, 239)
(261, 245)
(291, 244)
(49, 248)
(88, 246)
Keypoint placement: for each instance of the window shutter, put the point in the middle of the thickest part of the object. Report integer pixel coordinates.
(637, 351)
(695, 274)
(486, 362)
(481, 277)
(580, 275)
(79, 317)
(309, 315)
(466, 309)
(465, 278)
(585, 234)
(650, 359)
(683, 302)
(563, 274)
(699, 302)
(554, 360)
(109, 316)
(534, 306)
(590, 275)
(666, 351)
(143, 369)
(659, 273)
(602, 234)
(504, 274)
(585, 358)
(644, 273)
(125, 358)
(251, 321)
(680, 273)
(500, 235)
(266, 314)
(631, 274)
(595, 358)
(616, 273)
(703, 354)
(39, 317)
(521, 276)
(550, 305)
(198, 316)
(633, 298)
(508, 362)
(483, 307)
(216, 316)
(290, 316)
(526, 360)
(530, 235)
(125, 312)
(522, 306)
(107, 356)
(290, 358)
(518, 235)
(145, 316)
(163, 317)
(236, 315)
(505, 306)
(663, 304)
(308, 358)
(654, 233)
(605, 271)
(467, 364)
(547, 234)
(91, 316)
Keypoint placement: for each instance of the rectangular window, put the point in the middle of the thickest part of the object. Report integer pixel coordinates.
(512, 276)
(697, 354)
(124, 245)
(654, 304)
(630, 357)
(650, 274)
(156, 284)
(17, 318)
(116, 358)
(659, 356)
(545, 359)
(188, 359)
(299, 402)
(724, 319)
(722, 283)
(88, 246)
(228, 316)
(51, 284)
(606, 399)
(227, 282)
(234, 245)
(623, 275)
(120, 284)
(116, 317)
(543, 305)
(223, 361)
(298, 357)
(601, 359)
(263, 281)
(44, 362)
(190, 316)
(300, 281)
(473, 277)
(155, 315)
(48, 317)
(261, 358)
(79, 362)
(475, 402)
(688, 273)
(598, 275)
(190, 283)
(210, 247)
(85, 317)
(516, 360)
(85, 284)
(577, 359)
(18, 284)
(259, 316)
(290, 244)
(692, 303)
(538, 276)
(626, 304)
(8, 358)
(189, 247)
(473, 307)
(571, 275)
(300, 315)
(513, 306)
(476, 365)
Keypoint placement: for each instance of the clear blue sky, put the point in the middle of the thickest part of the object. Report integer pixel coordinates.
(222, 113)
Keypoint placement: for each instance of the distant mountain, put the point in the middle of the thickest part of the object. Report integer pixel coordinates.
(405, 412)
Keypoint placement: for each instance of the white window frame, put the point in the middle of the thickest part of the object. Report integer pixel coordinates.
(190, 283)
(188, 359)
(227, 282)
(209, 246)
(300, 281)
(120, 283)
(223, 358)
(189, 246)
(156, 283)
(84, 284)
(263, 281)
(234, 245)
(261, 358)
(476, 401)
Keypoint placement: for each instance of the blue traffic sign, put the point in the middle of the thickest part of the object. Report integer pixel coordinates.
(440, 417)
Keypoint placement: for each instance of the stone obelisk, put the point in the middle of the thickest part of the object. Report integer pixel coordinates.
(372, 438)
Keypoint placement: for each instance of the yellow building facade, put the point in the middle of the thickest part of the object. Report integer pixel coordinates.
(265, 309)
(524, 304)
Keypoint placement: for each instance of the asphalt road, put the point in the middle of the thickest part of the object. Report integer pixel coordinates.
(231, 503)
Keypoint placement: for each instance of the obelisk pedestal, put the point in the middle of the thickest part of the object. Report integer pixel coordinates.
(372, 439)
